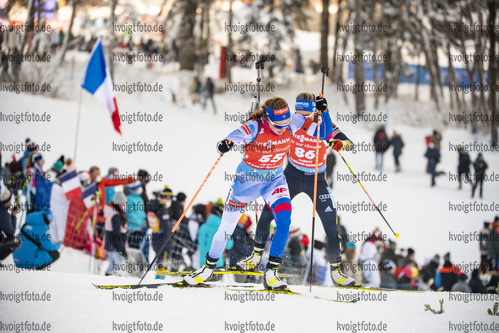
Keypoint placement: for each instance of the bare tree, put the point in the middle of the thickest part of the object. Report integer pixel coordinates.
(112, 42)
(29, 23)
(67, 35)
(493, 68)
(186, 37)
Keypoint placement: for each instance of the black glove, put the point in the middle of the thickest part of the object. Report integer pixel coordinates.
(125, 255)
(225, 145)
(321, 104)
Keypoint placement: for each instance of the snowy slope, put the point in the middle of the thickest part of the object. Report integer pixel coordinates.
(76, 306)
(420, 214)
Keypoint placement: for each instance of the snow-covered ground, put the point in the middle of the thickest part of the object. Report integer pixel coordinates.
(76, 306)
(420, 214)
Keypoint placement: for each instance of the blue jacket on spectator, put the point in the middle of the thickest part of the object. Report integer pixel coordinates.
(135, 212)
(37, 249)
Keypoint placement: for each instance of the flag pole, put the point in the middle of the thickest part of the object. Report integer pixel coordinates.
(77, 125)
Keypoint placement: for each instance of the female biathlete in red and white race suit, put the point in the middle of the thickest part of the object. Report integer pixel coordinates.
(267, 136)
(300, 176)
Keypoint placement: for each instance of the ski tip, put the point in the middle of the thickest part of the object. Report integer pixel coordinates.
(397, 236)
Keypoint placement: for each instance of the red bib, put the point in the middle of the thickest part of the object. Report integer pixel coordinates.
(268, 150)
(302, 151)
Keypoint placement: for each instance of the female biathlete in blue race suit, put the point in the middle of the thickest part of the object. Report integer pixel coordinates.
(300, 176)
(267, 139)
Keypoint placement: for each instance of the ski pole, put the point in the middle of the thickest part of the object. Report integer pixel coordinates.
(372, 201)
(258, 65)
(175, 227)
(325, 72)
(315, 200)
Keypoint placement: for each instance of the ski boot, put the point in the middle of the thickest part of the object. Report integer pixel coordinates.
(340, 279)
(270, 279)
(203, 273)
(250, 263)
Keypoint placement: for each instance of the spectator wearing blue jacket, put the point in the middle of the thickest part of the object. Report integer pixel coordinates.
(136, 214)
(208, 230)
(37, 250)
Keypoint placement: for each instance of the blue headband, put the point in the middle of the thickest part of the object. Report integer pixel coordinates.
(305, 105)
(278, 114)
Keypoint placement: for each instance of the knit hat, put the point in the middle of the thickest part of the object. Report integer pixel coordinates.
(305, 241)
(5, 195)
(166, 193)
(36, 157)
(143, 175)
(31, 146)
(58, 166)
(350, 245)
(135, 185)
(83, 176)
(181, 196)
(119, 197)
(388, 264)
(220, 202)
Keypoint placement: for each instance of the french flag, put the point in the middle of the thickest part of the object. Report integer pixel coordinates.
(97, 81)
(70, 184)
(89, 194)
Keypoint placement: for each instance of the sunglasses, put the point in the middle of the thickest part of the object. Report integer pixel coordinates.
(278, 125)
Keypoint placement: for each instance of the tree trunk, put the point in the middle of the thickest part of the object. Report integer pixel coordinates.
(418, 75)
(111, 39)
(335, 76)
(228, 64)
(359, 78)
(29, 23)
(493, 70)
(67, 35)
(205, 34)
(39, 10)
(453, 81)
(186, 35)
